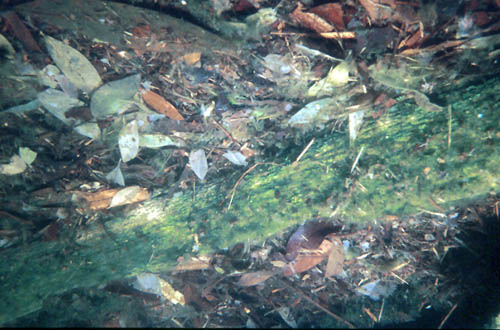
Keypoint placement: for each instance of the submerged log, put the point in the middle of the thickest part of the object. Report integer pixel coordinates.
(413, 160)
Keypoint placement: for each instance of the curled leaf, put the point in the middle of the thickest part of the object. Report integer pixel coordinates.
(309, 236)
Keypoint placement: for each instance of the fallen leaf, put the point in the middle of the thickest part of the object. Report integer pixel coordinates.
(16, 166)
(115, 97)
(310, 236)
(192, 58)
(331, 12)
(302, 263)
(97, 200)
(311, 20)
(161, 105)
(251, 279)
(198, 163)
(377, 12)
(236, 158)
(128, 141)
(335, 259)
(79, 71)
(129, 195)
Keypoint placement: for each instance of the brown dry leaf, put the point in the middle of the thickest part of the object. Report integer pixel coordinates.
(307, 259)
(161, 105)
(195, 263)
(311, 20)
(302, 263)
(335, 259)
(251, 279)
(331, 12)
(98, 200)
(192, 58)
(377, 11)
(309, 236)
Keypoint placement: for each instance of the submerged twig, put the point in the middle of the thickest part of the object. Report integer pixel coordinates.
(447, 316)
(303, 152)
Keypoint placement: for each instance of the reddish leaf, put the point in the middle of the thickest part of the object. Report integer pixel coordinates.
(331, 12)
(377, 12)
(17, 28)
(310, 20)
(307, 259)
(309, 236)
(161, 105)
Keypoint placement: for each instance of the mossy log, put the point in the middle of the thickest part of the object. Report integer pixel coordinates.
(412, 160)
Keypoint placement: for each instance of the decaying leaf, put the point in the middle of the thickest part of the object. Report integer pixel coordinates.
(251, 279)
(355, 121)
(95, 201)
(57, 103)
(335, 258)
(311, 20)
(194, 263)
(236, 158)
(287, 316)
(161, 105)
(172, 295)
(116, 176)
(198, 163)
(27, 155)
(129, 195)
(106, 198)
(149, 283)
(16, 166)
(115, 97)
(377, 11)
(129, 141)
(337, 77)
(79, 71)
(159, 140)
(331, 12)
(308, 258)
(192, 58)
(309, 236)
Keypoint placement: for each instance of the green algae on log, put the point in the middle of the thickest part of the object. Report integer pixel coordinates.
(409, 160)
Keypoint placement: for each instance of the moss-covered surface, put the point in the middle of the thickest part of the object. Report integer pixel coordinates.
(407, 160)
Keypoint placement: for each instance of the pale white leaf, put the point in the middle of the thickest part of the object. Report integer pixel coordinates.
(16, 166)
(149, 283)
(125, 196)
(198, 163)
(159, 140)
(27, 155)
(355, 121)
(129, 141)
(236, 157)
(90, 130)
(116, 176)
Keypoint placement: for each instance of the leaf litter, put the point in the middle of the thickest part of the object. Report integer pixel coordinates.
(317, 90)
